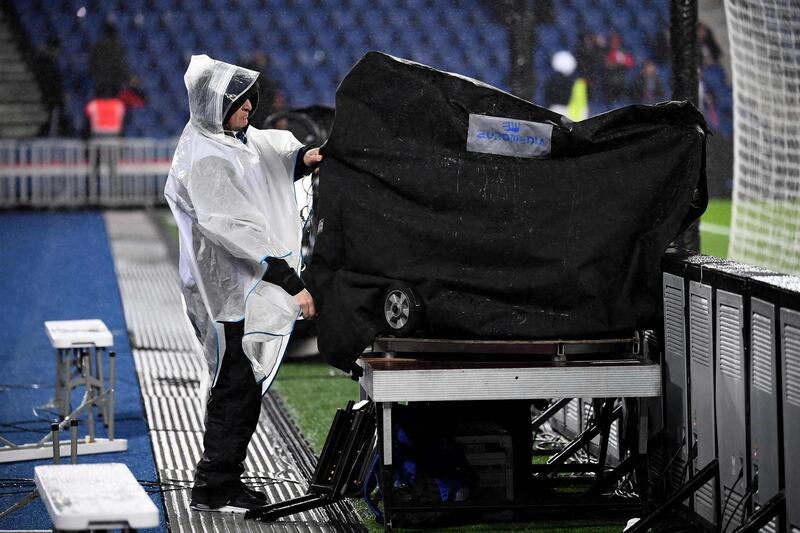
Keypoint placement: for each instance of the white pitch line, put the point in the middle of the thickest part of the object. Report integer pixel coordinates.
(716, 229)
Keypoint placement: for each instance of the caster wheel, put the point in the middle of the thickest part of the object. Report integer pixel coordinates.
(402, 310)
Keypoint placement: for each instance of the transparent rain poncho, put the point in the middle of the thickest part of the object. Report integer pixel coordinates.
(234, 205)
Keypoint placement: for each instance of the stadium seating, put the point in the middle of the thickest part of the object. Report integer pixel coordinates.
(313, 43)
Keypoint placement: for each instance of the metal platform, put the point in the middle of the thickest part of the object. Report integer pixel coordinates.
(428, 370)
(393, 379)
(447, 370)
(625, 346)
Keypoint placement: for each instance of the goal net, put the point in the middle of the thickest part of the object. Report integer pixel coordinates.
(765, 52)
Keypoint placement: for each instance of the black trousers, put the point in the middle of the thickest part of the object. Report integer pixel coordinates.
(234, 406)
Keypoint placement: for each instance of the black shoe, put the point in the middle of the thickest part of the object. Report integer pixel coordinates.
(257, 494)
(242, 502)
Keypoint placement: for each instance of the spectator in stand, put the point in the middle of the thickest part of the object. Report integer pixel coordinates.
(559, 84)
(108, 63)
(105, 117)
(618, 63)
(566, 93)
(647, 87)
(133, 97)
(659, 47)
(708, 48)
(708, 105)
(49, 77)
(272, 96)
(591, 57)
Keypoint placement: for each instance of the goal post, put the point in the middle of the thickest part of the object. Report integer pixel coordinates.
(765, 55)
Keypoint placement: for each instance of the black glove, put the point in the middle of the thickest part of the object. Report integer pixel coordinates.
(281, 274)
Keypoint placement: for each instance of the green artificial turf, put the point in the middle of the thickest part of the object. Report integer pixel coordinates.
(715, 228)
(312, 391)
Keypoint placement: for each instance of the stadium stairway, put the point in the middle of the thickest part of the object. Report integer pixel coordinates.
(21, 110)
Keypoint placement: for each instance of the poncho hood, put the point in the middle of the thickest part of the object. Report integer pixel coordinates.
(213, 87)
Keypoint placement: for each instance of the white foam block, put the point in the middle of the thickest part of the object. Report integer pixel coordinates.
(71, 333)
(87, 496)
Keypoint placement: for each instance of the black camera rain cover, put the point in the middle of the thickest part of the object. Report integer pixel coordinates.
(510, 221)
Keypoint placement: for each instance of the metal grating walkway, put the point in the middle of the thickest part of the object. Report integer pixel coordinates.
(279, 460)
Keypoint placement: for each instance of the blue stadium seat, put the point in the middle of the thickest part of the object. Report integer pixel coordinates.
(343, 19)
(210, 43)
(455, 19)
(203, 23)
(286, 19)
(138, 63)
(242, 43)
(280, 62)
(548, 39)
(581, 6)
(134, 6)
(161, 6)
(440, 41)
(184, 41)
(648, 22)
(325, 41)
(382, 40)
(358, 5)
(567, 19)
(371, 17)
(593, 20)
(158, 43)
(416, 5)
(620, 21)
(401, 20)
(714, 76)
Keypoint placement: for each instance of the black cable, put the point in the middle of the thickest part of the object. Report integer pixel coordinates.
(728, 499)
(747, 494)
(692, 456)
(590, 420)
(50, 414)
(19, 425)
(160, 487)
(5, 387)
(270, 480)
(669, 463)
(163, 490)
(753, 487)
(167, 483)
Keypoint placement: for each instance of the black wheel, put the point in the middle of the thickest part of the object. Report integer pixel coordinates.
(402, 310)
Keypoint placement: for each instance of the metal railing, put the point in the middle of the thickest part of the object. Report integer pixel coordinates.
(47, 173)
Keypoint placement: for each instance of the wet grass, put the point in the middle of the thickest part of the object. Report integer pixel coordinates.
(715, 228)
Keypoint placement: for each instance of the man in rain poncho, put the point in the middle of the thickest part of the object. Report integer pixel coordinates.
(231, 192)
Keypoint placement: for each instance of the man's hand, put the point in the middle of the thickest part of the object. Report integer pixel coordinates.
(306, 303)
(312, 158)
